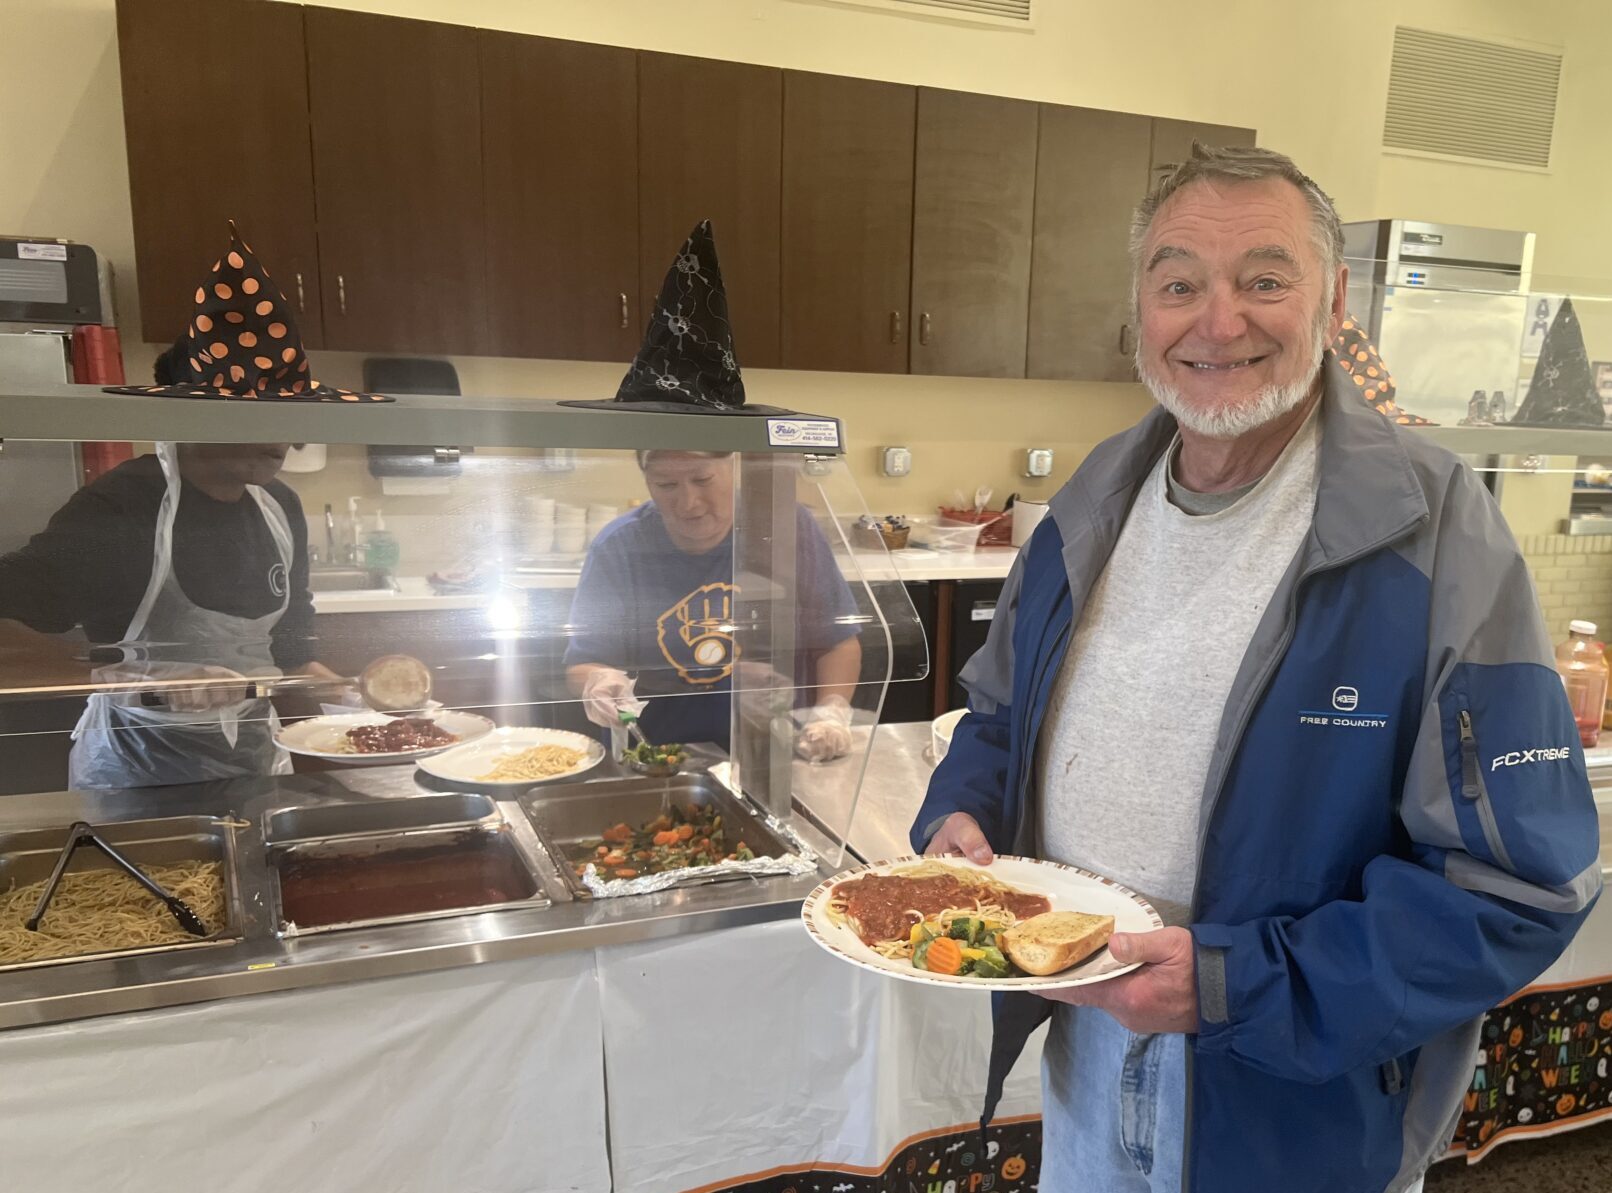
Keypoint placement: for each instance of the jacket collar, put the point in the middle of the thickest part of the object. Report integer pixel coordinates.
(1367, 492)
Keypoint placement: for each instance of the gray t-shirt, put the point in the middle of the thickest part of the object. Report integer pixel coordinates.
(1125, 748)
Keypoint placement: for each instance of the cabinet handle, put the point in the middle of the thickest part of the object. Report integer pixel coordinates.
(302, 299)
(624, 310)
(1127, 340)
(923, 328)
(341, 292)
(895, 327)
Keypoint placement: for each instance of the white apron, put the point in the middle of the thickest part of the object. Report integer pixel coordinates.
(120, 743)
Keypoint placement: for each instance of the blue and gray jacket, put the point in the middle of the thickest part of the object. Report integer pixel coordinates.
(1397, 830)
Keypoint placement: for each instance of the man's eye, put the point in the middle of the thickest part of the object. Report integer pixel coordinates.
(1177, 289)
(1267, 285)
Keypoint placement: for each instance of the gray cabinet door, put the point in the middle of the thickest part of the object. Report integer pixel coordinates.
(1090, 173)
(973, 209)
(847, 226)
(710, 144)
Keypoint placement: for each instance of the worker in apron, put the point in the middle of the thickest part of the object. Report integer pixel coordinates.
(242, 344)
(210, 731)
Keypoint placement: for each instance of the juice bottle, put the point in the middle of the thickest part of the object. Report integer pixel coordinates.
(1583, 669)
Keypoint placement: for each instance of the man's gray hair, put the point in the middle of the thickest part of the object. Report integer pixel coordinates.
(1235, 163)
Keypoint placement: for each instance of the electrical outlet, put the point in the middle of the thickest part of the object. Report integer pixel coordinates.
(1038, 462)
(895, 461)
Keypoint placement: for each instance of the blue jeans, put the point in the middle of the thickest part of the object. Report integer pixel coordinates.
(1113, 1106)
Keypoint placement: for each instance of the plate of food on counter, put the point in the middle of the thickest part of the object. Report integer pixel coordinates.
(1018, 923)
(517, 757)
(373, 739)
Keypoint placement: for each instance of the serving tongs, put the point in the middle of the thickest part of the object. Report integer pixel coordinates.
(81, 832)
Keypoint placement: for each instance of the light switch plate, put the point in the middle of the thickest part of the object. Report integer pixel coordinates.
(1038, 462)
(895, 461)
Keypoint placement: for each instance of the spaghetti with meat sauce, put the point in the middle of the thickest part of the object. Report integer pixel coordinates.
(882, 909)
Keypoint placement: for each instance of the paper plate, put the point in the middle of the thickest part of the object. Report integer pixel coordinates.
(1067, 887)
(321, 737)
(466, 764)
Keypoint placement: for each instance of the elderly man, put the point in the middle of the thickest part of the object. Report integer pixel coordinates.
(1278, 667)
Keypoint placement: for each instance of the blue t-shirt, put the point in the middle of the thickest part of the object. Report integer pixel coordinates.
(664, 616)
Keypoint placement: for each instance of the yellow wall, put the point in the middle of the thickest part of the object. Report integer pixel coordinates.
(1310, 77)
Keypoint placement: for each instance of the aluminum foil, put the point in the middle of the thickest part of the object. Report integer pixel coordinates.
(800, 860)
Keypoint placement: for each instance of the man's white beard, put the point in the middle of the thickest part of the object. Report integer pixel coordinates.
(1230, 422)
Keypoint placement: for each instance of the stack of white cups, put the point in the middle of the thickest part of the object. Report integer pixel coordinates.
(570, 529)
(540, 525)
(600, 516)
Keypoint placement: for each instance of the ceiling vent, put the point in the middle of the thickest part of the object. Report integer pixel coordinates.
(1012, 14)
(1477, 101)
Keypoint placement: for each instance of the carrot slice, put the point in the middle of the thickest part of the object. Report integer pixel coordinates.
(945, 956)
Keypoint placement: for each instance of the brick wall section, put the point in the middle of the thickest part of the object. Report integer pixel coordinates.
(1573, 574)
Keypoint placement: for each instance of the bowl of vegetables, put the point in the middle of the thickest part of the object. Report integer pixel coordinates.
(658, 761)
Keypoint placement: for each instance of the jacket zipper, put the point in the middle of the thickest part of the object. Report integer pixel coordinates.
(1233, 742)
(1474, 789)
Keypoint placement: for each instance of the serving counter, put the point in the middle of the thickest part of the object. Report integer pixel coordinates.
(262, 959)
(689, 1039)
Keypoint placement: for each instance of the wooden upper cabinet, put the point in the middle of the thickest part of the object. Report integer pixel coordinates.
(973, 206)
(560, 164)
(847, 223)
(396, 110)
(215, 136)
(709, 147)
(1172, 142)
(1091, 171)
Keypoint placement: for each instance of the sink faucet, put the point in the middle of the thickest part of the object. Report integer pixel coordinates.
(330, 535)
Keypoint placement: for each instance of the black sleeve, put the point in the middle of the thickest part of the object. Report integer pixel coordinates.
(89, 567)
(293, 633)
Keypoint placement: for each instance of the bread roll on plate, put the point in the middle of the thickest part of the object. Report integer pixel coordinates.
(1053, 941)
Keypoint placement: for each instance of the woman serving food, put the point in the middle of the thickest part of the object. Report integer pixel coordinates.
(652, 620)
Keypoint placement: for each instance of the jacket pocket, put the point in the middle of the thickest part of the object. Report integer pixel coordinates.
(1516, 773)
(1474, 789)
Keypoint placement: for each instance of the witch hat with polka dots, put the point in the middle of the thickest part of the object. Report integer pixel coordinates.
(243, 343)
(1355, 355)
(686, 364)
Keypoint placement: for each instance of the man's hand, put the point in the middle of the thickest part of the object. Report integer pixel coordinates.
(960, 835)
(1159, 997)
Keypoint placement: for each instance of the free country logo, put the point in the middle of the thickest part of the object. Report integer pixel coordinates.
(1345, 712)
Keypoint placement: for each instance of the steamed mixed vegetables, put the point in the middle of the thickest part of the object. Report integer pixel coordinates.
(678, 838)
(965, 945)
(668, 756)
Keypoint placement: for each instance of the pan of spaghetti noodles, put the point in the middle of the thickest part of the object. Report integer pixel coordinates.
(945, 921)
(98, 911)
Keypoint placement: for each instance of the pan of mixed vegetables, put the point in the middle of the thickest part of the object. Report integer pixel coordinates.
(679, 838)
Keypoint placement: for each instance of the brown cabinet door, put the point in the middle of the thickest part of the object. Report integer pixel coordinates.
(215, 107)
(1172, 142)
(709, 147)
(973, 206)
(560, 163)
(1090, 173)
(396, 109)
(847, 230)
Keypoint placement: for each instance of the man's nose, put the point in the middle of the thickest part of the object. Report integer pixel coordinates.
(1223, 320)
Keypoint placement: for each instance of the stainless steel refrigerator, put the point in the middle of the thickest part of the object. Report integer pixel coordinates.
(1446, 306)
